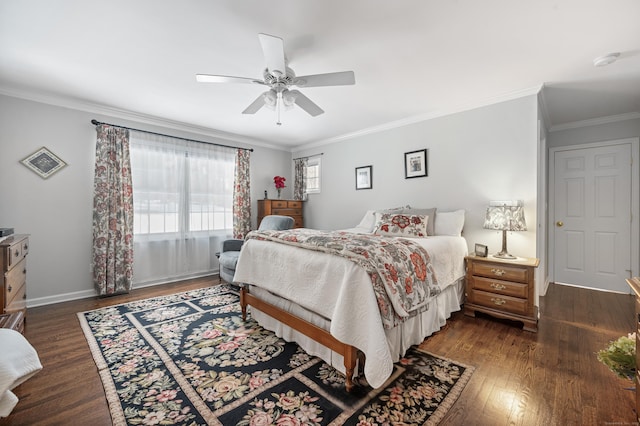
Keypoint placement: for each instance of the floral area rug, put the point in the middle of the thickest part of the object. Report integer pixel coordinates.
(189, 359)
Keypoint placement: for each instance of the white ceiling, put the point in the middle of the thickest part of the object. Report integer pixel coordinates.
(412, 59)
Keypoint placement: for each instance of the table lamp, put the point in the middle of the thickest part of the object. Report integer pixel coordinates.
(505, 216)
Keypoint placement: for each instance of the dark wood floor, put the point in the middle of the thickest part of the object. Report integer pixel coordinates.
(547, 378)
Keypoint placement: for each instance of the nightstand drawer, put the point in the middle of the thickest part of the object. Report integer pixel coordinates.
(503, 272)
(501, 287)
(501, 302)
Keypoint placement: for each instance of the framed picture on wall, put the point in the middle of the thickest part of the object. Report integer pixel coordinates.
(364, 177)
(43, 162)
(415, 164)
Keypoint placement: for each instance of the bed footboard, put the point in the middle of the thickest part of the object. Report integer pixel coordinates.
(349, 353)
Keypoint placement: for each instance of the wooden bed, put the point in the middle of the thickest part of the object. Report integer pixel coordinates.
(337, 313)
(320, 335)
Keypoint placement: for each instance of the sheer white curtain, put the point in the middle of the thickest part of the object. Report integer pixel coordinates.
(183, 206)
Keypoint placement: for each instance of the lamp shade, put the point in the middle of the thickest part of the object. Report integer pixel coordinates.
(505, 218)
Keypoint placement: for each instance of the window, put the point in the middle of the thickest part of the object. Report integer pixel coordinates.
(180, 186)
(313, 175)
(183, 206)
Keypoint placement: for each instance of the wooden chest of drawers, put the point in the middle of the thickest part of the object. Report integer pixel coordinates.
(291, 208)
(13, 266)
(502, 288)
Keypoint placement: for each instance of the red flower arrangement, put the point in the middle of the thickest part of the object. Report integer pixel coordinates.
(279, 181)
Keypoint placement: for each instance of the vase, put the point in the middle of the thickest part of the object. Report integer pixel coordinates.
(279, 192)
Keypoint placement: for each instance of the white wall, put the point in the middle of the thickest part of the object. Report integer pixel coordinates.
(489, 153)
(57, 212)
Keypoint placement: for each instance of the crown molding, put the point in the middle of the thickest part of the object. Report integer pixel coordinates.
(80, 105)
(595, 121)
(422, 117)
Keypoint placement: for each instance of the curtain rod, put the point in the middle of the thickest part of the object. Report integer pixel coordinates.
(309, 156)
(96, 122)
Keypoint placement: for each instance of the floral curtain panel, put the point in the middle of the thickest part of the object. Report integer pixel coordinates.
(300, 177)
(242, 195)
(112, 212)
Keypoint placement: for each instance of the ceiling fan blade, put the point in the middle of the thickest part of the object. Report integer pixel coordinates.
(255, 105)
(208, 78)
(273, 49)
(306, 104)
(343, 78)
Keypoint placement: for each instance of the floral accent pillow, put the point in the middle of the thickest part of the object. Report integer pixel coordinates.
(402, 225)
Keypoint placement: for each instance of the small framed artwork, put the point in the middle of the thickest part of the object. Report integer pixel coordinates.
(364, 177)
(415, 164)
(44, 162)
(481, 250)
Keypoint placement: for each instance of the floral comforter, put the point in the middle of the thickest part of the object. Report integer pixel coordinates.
(400, 269)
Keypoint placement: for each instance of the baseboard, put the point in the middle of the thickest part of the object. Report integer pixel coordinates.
(59, 298)
(84, 294)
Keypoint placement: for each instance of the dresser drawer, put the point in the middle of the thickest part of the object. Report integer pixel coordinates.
(294, 204)
(499, 301)
(14, 280)
(11, 256)
(279, 204)
(503, 272)
(501, 287)
(298, 222)
(18, 301)
(287, 212)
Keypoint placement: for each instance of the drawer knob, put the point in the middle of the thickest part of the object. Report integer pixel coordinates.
(9, 289)
(498, 286)
(17, 253)
(498, 301)
(498, 272)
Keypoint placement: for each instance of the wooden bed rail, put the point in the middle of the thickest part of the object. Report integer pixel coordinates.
(349, 353)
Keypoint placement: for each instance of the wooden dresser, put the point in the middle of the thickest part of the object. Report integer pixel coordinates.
(502, 288)
(291, 208)
(634, 283)
(13, 264)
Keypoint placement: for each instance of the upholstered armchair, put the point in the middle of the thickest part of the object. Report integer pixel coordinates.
(231, 248)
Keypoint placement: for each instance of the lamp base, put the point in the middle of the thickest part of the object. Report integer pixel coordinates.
(504, 255)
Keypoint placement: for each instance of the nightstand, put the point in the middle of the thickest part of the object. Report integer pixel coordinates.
(502, 288)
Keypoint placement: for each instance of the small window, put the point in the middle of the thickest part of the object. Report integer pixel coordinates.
(313, 175)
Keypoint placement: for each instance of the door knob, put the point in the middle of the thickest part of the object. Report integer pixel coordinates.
(559, 223)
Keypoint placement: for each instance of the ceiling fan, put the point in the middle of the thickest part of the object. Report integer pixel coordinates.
(279, 78)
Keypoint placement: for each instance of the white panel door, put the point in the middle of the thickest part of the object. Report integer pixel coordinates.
(592, 207)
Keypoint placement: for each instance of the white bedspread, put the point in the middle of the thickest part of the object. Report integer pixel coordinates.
(19, 362)
(338, 289)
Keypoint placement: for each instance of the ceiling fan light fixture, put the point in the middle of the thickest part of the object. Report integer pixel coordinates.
(271, 99)
(288, 99)
(606, 59)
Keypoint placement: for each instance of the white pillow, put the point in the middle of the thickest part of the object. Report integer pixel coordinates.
(449, 223)
(368, 221)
